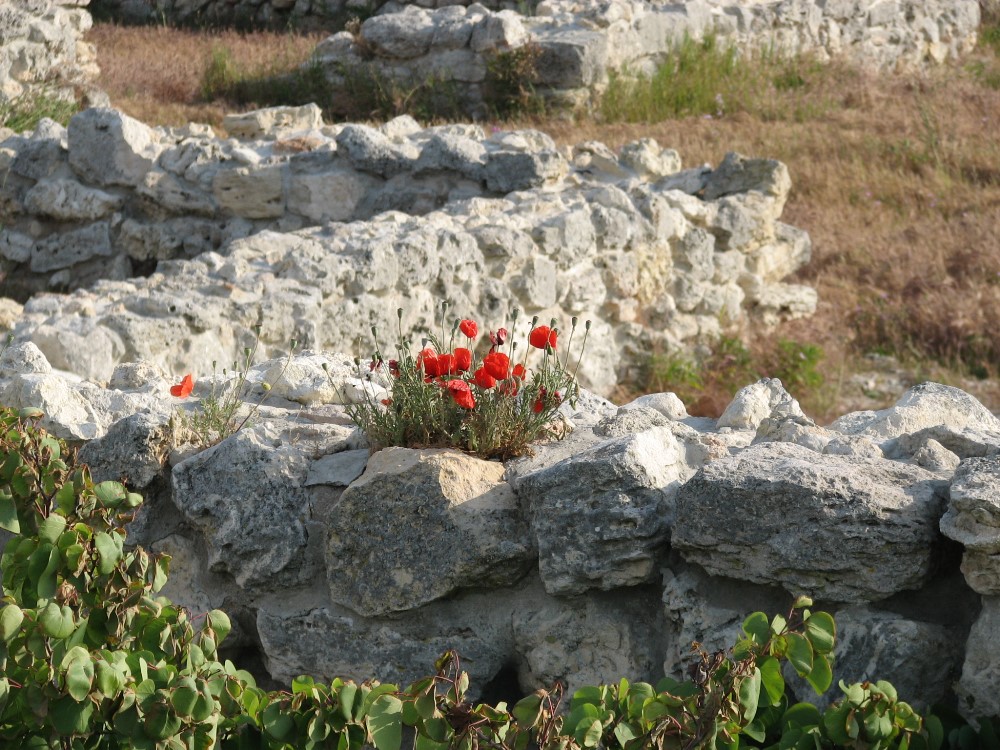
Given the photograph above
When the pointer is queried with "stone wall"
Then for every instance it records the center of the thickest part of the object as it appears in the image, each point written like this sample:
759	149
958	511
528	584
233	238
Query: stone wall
41	49
601	556
322	232
580	43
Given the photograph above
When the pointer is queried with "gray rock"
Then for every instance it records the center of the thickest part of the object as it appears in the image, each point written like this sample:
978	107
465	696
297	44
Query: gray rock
68	200
602	516
245	498
754	403
70	248
371	151
337	469
107	147
471	531
976	688
399	35
740	174
507	170
272	121
631	421
306	635
805	520
23	357
973	519
133	450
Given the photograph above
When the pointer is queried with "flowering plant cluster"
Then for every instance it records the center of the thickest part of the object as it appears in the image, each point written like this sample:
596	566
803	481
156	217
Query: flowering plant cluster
480	394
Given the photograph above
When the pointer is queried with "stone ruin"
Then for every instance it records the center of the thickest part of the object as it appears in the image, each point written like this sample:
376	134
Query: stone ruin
319	232
578	44
42	52
600	556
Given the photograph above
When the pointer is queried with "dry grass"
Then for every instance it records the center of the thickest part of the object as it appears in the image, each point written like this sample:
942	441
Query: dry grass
896	178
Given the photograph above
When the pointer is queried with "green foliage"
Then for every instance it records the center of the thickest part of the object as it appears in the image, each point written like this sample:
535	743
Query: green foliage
437	401
23	113
730	366
91	658
712	78
509	88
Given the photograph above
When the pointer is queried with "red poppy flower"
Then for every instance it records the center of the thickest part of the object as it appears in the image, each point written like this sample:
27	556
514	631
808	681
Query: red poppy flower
519	371
539	401
463	358
447	365
497	364
374	364
483	379
427	361
542	336
394	367
184	388
468	328
461	393
509	387
386	402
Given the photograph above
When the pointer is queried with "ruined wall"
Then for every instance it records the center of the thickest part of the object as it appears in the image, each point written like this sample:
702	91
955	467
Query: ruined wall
325	231
41	50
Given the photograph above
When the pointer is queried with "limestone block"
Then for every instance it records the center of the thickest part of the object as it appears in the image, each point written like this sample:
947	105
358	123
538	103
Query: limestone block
15	246
600	517
107	147
175	194
338	469
334	195
740	174
648	160
668	404
477	535
572	58
23	357
976	688
40	158
536	284
371	151
404	35
587	640
253	193
928	405
136	447
309	635
453	28
68	200
498	32
973	519
245	497
452	153
273	122
766	398
67	249
882	512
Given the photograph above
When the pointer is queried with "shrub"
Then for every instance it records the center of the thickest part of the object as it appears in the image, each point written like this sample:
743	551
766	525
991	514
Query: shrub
23	113
448	396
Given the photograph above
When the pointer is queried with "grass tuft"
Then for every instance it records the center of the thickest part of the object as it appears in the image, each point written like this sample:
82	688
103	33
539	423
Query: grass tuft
25	112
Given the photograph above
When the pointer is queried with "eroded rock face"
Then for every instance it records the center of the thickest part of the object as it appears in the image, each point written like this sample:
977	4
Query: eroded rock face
419	525
781	514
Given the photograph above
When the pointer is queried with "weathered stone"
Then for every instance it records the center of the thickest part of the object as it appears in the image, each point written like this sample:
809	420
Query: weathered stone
973	519
77	246
134	448
371	151
809	519
604	528
273	122
252	514
251	193
107	147
378	561
754	403
68	200
976	688
338	469
400	35
22	358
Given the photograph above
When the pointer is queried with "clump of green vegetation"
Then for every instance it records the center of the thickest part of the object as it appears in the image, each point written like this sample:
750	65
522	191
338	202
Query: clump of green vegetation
23	113
509	88
707	383
713	78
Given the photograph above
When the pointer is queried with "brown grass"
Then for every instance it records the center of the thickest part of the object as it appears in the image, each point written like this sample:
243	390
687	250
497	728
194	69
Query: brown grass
896	178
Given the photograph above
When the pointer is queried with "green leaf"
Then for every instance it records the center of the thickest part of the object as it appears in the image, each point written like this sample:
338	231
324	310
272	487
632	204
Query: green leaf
385	722
109	679
161	568
110	494
755	730
276	722
771	678
109	551
821	631
79	672
887	689
935	731
184	696
51	528
750	694
821	676
588	733
11	618
426	705
71	717
56	621
66	498
160	721
800	654
624	733
423	742
835	722
802	602
8	514
756	627
588	694
527	710
854	692
346	694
